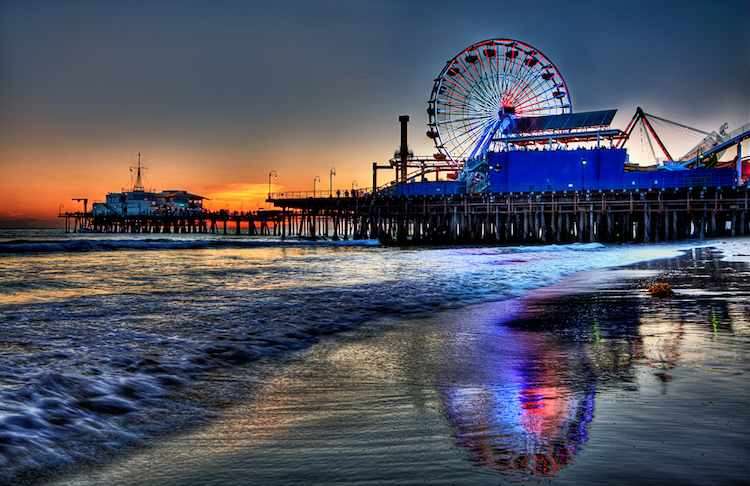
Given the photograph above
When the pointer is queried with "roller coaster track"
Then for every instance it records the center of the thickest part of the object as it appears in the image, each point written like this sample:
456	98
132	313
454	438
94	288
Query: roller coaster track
718	148
718	143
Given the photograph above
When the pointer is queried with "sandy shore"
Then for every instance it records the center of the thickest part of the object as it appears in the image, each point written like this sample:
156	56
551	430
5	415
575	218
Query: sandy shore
587	381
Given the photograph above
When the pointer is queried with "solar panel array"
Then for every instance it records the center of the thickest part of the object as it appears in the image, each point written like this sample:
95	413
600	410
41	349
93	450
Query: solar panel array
568	121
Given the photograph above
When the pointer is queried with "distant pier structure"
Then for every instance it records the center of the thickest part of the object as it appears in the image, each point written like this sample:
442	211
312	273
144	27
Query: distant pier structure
171	211
222	222
515	165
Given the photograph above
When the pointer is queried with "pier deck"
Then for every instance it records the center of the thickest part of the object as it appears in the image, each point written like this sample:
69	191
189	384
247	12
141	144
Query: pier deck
549	217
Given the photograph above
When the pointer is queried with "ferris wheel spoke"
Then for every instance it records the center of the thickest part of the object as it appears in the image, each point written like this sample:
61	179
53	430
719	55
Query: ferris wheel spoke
458	106
459	101
467	105
456	124
553	84
528	74
517	71
462	125
484	77
514	80
522	84
455	86
507	71
472	84
464	120
465	133
490	76
470	142
462	147
471	70
497	70
540	93
486	73
536	84
464	110
528	107
483	96
542	89
504	53
465	92
530	91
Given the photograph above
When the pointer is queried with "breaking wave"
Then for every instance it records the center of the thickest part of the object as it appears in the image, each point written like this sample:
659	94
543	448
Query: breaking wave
91	244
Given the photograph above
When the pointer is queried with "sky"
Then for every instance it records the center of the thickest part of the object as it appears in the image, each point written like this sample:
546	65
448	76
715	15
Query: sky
217	94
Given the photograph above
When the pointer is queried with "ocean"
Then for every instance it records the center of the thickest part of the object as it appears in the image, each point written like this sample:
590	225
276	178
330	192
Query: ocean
105	338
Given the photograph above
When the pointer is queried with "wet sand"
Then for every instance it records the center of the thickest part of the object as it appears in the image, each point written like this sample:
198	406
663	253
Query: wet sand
588	381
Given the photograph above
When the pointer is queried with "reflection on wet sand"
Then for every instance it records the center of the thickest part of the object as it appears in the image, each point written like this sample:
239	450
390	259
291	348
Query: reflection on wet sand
548	362
533	420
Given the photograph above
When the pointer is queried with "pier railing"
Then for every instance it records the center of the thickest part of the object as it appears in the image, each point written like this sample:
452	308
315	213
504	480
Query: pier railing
357	192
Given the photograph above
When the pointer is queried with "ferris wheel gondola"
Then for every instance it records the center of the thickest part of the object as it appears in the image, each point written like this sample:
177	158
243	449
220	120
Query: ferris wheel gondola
489	83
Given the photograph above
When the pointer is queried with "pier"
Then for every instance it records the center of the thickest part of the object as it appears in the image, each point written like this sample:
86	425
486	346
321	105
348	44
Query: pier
496	219
521	173
251	223
509	219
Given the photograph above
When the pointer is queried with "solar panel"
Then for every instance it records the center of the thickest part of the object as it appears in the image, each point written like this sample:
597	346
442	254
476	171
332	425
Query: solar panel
568	121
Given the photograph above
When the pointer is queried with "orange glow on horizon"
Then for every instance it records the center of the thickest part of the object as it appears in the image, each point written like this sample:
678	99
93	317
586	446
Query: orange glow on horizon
42	172
239	197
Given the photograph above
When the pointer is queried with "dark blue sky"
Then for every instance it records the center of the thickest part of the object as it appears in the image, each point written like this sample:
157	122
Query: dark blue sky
289	78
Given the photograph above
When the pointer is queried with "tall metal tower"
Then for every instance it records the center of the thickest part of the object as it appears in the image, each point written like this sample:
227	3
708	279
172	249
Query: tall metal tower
138	185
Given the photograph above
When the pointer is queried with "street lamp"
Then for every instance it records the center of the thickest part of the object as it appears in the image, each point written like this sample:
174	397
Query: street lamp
583	173
315	181
330	182
271	174
354	184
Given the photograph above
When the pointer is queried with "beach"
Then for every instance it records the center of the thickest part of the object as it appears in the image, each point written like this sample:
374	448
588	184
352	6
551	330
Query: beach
573	374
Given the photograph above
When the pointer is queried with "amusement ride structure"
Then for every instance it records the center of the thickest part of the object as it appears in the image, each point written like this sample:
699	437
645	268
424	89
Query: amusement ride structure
479	95
501	105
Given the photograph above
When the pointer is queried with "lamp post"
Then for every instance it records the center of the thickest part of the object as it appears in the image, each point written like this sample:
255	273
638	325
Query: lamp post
583	173
270	175
330	182
354	184
315	181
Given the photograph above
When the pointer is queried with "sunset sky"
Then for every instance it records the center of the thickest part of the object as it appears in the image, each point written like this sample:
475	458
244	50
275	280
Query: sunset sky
216	94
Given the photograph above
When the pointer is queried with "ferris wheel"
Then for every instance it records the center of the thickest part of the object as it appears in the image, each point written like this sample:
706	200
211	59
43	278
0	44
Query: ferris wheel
483	85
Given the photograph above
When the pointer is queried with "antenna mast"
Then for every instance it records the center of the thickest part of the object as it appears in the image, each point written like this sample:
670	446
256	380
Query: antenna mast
138	186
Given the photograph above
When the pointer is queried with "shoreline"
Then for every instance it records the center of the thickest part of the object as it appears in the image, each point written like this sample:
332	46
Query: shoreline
228	424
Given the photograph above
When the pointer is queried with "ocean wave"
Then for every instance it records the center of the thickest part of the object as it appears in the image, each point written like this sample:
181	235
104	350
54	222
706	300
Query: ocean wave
554	247
113	361
93	244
